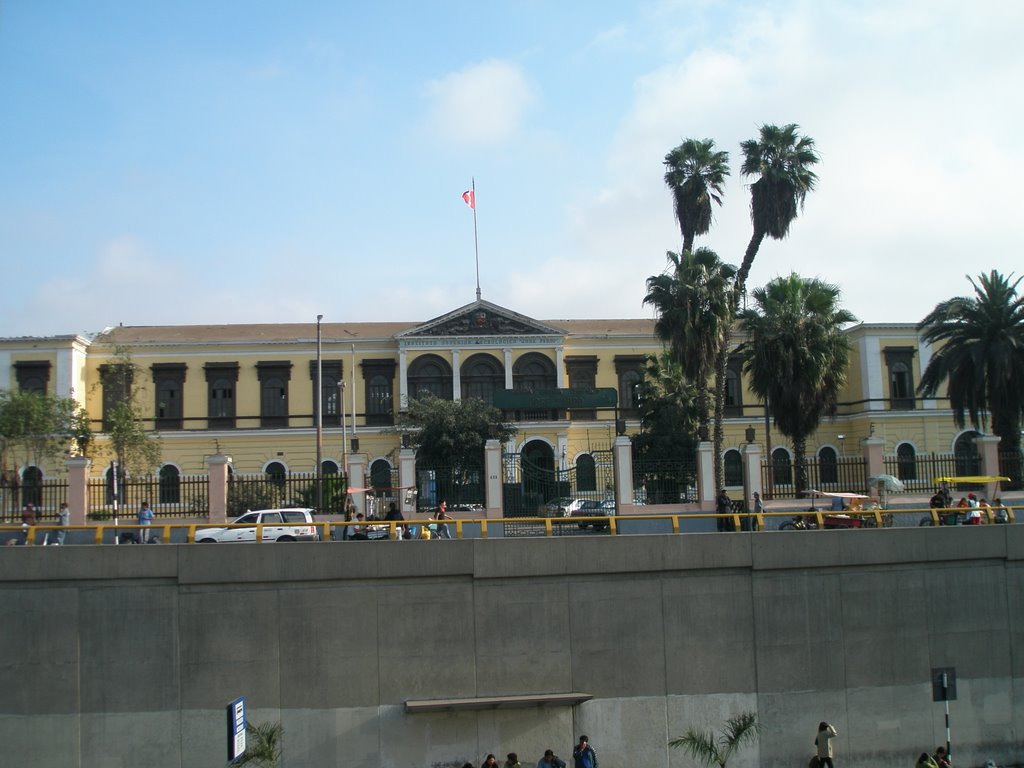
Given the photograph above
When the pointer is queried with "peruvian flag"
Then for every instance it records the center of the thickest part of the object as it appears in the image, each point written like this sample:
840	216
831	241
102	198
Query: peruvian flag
470	197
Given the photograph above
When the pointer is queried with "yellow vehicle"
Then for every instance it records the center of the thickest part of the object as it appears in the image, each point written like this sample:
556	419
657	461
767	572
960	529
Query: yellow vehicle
998	514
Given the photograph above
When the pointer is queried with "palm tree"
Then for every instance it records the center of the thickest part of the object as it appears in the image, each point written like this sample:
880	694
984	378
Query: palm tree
705	749
981	357
692	299
263	745
695	172
781	159
797	356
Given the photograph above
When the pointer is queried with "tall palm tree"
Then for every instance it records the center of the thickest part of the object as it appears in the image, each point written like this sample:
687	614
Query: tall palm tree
692	299
695	172
781	159
705	749
797	356
981	357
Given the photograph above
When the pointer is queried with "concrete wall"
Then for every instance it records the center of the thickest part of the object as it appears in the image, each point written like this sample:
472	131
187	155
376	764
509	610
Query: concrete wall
127	656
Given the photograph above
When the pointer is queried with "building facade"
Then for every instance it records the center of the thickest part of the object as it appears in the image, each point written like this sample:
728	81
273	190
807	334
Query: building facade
249	391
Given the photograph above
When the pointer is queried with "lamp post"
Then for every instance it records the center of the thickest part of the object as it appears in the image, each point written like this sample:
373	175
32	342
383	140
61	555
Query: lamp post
842	445
319	421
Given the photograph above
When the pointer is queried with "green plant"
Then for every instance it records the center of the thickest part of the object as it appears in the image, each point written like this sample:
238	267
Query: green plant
708	751
263	745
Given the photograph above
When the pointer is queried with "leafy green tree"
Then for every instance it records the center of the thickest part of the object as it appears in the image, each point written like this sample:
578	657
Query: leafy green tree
695	172
797	356
449	437
979	354
665	449
137	451
781	160
262	745
703	747
36	429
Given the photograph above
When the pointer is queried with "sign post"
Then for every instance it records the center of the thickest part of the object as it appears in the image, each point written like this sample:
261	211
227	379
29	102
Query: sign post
236	729
944	690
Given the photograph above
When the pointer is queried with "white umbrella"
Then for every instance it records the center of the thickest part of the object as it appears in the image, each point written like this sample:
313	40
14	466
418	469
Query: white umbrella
887	482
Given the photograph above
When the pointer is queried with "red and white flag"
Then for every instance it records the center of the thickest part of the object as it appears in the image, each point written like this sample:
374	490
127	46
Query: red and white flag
470	197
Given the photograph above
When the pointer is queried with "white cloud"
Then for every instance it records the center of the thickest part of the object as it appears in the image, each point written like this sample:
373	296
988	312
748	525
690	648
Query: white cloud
916	136
481	104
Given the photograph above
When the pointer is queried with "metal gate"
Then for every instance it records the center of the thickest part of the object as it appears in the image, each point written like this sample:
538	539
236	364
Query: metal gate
534	487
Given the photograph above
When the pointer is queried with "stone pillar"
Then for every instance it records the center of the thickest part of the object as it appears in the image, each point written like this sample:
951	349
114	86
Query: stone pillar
751	455
507	357
407	478
706	474
217	468
78	489
456	376
988	450
622	469
560	367
403	380
357	479
874	462
492	479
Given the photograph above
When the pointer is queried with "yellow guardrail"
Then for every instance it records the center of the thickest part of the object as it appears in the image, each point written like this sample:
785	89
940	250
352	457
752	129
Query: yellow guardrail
823	519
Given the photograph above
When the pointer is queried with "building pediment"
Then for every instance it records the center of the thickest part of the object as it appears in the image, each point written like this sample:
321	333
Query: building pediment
481	318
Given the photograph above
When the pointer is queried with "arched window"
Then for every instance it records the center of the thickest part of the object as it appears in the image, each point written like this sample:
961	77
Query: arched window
533	372
906	462
276	473
828	466
170	485
32	486
586	473
380	475
966	450
782	467
329	467
732	463
430	375
481	376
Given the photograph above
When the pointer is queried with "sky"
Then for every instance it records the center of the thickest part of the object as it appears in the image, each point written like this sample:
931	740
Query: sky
173	163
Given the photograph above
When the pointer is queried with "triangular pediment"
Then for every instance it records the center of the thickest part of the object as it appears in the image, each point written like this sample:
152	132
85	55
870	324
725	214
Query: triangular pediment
481	318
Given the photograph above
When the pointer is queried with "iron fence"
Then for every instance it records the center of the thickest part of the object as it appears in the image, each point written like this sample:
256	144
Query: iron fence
45	496
656	481
294	489
178	496
1011	465
918	472
455	485
840	475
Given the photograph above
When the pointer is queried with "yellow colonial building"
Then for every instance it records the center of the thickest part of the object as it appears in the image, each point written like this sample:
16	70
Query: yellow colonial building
249	392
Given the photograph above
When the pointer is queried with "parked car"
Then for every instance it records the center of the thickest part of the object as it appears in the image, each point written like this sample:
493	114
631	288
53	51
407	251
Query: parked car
278	525
563	507
590	508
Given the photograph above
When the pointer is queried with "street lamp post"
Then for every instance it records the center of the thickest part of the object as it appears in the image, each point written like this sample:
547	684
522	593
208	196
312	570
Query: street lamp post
319	421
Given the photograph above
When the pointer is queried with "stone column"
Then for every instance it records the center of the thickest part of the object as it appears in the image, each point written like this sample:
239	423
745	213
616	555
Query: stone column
751	455
706	474
357	479
78	489
622	469
560	367
456	376
403	380
988	450
217	468
874	462
492	479
407	478
507	358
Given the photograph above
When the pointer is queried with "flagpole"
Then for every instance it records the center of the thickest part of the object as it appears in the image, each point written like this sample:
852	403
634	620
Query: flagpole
476	243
